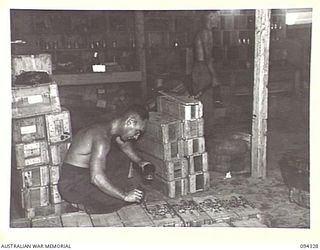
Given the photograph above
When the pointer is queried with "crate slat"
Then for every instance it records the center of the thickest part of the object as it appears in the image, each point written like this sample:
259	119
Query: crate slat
58	151
199	182
134	216
172	189
106	220
33	176
198	163
35	197
76	219
55	196
193	146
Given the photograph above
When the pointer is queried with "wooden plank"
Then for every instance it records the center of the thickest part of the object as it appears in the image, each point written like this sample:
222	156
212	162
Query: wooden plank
260	94
97	78
134	216
48	221
162	215
77	219
106	220
55	196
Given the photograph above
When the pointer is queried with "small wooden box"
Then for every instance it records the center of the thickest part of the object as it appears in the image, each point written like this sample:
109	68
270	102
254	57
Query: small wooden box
55	196
192	128
35	197
58	126
48	221
106	220
39	62
168	170
35	100
34	176
199	182
190	212
31	154
163	128
167	151
77	219
193	146
172	189
28	129
54	173
58	151
134	216
198	163
180	107
162	214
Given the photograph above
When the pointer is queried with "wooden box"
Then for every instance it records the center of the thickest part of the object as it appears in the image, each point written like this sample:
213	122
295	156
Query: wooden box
163	128
35	100
23	63
76	219
168	170
34	176
172	189
198	162
192	128
180	107
31	154
58	126
134	216
48	221
167	151
28	129
106	220
193	146
35	197
58	151
190	212
55	196
54	173
162	215
199	182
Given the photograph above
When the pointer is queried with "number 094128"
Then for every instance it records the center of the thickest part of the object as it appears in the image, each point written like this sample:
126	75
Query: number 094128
310	246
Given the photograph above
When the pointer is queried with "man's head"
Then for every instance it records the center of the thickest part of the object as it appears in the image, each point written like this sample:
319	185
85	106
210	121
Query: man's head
133	122
211	19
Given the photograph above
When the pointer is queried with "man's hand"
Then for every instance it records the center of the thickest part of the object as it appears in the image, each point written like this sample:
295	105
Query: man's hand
134	196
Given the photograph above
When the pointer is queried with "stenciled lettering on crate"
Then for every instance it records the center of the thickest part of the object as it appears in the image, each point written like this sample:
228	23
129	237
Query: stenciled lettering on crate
58	151
35	197
35	100
31	154
193	146
192	128
163	128
28	129
58	126
33	176
172	189
180	107
199	182
168	170
54	174
55	196
198	162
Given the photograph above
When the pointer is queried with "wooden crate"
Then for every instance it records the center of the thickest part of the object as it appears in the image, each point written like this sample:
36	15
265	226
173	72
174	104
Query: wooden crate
198	163
31	154
181	107
58	126
167	151
20	223
168	170
58	151
193	146
172	189
54	173
190	212
28	129
214	209
162	214
23	63
192	128
76	219
199	182
163	128
35	197
106	220
33	176
48	221
55	196
134	216
35	100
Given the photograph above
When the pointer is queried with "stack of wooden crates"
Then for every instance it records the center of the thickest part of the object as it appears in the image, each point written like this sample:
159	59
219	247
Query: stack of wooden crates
174	142
41	136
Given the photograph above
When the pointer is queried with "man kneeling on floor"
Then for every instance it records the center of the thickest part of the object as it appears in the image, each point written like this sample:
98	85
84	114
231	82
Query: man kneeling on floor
83	178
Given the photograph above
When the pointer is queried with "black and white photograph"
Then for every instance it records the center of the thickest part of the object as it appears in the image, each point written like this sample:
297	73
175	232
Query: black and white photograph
140	118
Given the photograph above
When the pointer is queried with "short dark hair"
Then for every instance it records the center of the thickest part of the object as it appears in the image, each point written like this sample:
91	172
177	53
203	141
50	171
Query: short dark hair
140	110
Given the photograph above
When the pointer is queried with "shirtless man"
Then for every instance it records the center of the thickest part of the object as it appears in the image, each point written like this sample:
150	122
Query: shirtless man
83	179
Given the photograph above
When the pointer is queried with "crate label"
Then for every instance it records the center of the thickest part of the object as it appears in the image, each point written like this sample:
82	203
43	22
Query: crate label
31	146
31	149
28	129
31	161
35	99
101	103
101	91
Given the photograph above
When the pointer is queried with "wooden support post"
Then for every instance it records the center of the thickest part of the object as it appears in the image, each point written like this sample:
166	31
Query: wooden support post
260	94
141	51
